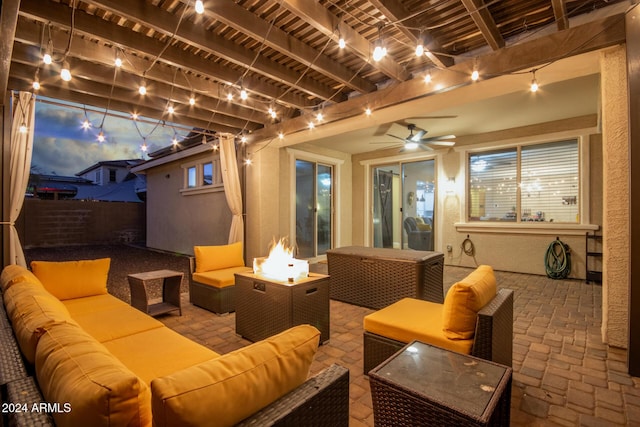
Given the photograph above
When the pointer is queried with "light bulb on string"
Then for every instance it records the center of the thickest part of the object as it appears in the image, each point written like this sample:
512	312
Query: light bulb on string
341	41
475	75
134	116
101	136
243	93
23	128
280	135
65	73
229	96
379	50
174	141
243	139
199	6
142	89
36	80
47	58
118	61
311	125
192	99
534	83
427	77
171	109
420	46
367	111
144	147
86	124
247	161
319	116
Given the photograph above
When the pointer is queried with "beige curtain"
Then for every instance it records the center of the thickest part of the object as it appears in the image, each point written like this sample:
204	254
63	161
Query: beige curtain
232	189
21	150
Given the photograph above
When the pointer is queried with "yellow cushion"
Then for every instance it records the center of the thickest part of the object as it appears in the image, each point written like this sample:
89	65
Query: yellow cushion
219	278
32	311
73	279
217	257
224	391
106	317
158	352
413	319
464	300
73	368
13	274
423	227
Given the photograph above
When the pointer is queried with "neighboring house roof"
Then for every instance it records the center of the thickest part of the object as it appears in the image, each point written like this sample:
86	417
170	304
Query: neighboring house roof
113	163
126	191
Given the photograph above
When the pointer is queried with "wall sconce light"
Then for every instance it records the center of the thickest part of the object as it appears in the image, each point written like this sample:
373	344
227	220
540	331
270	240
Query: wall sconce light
451	186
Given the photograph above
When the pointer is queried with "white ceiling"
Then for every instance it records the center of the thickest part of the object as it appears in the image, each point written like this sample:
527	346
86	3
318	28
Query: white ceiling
568	88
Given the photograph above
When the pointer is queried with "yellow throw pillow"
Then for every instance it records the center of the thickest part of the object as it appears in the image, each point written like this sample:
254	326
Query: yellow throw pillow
96	388
13	274
73	279
464	300
423	227
210	258
228	389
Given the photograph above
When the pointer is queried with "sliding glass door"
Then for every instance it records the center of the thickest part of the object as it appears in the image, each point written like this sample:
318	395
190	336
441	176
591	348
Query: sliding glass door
314	208
403	205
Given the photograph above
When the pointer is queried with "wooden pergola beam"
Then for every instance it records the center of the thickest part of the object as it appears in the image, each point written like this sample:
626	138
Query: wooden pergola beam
485	23
560	13
8	22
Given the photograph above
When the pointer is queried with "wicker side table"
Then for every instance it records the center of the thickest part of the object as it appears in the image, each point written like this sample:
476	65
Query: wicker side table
171	281
265	307
424	385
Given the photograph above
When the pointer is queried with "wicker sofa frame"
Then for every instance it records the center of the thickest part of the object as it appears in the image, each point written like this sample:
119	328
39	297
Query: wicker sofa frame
216	300
320	401
493	339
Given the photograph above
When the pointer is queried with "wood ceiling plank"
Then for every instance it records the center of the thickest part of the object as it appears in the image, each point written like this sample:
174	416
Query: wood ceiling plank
196	35
246	22
394	12
485	23
327	23
111	33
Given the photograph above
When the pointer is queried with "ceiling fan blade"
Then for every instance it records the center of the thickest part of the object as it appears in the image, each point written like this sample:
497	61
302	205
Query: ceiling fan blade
396	137
438	138
382	129
418	136
440	143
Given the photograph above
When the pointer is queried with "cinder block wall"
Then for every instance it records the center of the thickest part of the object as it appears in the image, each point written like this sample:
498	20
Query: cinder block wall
49	223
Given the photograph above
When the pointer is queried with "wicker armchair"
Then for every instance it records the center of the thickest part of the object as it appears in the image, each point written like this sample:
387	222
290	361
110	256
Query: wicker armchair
493	338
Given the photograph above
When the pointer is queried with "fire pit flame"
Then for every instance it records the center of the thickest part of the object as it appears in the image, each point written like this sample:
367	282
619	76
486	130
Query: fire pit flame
280	265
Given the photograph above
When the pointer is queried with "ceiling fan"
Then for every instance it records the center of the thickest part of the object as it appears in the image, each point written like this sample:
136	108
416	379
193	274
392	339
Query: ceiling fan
417	139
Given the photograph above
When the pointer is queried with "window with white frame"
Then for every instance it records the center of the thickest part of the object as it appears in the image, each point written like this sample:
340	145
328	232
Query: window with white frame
528	183
202	176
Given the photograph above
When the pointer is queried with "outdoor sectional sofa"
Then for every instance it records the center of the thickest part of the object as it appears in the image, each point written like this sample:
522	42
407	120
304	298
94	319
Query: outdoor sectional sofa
71	354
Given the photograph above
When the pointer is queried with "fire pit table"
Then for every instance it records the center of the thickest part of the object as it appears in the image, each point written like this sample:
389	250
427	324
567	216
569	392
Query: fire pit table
265	307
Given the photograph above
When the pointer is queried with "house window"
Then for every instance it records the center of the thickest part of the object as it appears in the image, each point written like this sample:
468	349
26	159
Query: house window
530	183
112	175
202	176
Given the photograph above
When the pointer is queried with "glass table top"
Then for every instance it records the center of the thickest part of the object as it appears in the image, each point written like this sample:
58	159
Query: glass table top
451	379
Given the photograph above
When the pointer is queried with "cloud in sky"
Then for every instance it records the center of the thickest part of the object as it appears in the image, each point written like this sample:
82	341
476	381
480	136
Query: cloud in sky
62	147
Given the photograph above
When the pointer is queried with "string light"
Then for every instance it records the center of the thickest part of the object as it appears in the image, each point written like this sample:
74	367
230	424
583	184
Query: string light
199	6
65	73
47	58
229	96
379	50
118	60
142	89
23	128
86	124
475	75
367	111
341	41
534	83
280	135
174	141
420	46
319	116
272	111
247	161
243	94
192	99
427	77
311	125
170	109
101	137
36	80
144	147
243	139
134	116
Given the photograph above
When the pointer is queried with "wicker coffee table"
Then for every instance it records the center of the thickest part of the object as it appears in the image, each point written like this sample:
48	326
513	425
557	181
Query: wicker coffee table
425	385
265	307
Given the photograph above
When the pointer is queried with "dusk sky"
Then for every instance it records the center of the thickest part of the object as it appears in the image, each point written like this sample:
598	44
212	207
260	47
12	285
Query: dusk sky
62	147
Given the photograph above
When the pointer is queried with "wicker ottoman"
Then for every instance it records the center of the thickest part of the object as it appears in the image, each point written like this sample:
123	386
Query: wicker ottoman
265	307
377	277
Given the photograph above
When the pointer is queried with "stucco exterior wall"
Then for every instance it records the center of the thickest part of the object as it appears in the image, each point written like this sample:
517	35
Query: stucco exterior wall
176	222
615	286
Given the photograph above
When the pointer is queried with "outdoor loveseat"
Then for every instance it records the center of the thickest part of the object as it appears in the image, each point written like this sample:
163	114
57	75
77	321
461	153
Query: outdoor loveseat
71	355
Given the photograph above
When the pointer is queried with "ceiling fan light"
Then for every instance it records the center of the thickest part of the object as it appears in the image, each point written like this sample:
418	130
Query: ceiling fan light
411	145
